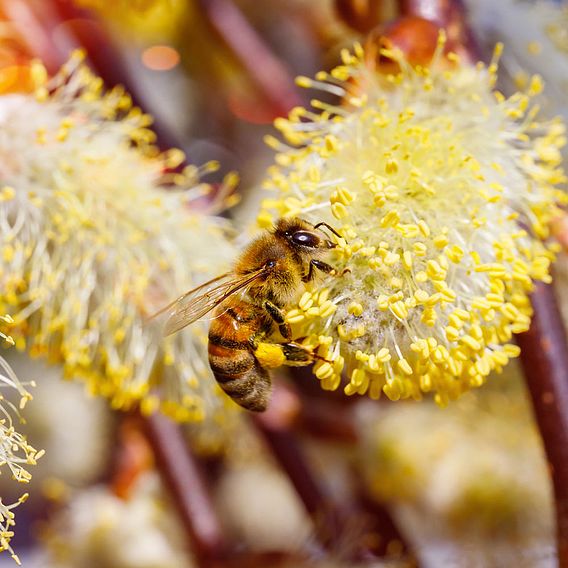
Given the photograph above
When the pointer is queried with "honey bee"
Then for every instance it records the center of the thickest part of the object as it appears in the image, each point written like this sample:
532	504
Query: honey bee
248	304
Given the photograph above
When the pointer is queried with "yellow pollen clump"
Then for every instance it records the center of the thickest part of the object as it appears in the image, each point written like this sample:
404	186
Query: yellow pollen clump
442	190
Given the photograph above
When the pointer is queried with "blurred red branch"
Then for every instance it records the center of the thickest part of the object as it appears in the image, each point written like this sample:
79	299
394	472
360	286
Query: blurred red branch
369	529
263	67
183	477
544	355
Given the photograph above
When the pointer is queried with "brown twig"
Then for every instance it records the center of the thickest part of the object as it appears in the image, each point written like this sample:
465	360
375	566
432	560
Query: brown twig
262	66
351	528
183	477
276	426
544	356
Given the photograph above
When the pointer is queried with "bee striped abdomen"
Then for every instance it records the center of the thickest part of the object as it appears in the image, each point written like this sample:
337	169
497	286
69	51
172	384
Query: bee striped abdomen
231	359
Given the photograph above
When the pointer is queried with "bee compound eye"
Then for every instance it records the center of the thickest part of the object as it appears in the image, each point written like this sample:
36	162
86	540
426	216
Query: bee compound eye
305	239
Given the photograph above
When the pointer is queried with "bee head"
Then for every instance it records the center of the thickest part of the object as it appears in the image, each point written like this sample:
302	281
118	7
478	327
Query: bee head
302	236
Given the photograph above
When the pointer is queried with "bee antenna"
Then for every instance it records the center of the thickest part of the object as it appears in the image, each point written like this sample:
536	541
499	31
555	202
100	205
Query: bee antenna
327	226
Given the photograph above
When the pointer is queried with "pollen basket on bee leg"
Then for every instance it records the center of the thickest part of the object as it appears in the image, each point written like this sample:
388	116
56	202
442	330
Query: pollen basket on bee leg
270	355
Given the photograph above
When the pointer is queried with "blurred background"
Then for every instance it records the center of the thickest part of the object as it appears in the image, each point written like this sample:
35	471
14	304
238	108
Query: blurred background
339	482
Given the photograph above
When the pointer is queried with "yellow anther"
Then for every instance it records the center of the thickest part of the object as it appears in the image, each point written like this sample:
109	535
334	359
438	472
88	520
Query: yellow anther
391	258
396	297
404	366
7	193
342	195
424	228
434	270
391	167
390	219
304	82
384	355
339	210
327	308
511	350
420	249
452	333
314	311
357	377
294	316
421	296
323	370
421	277
441	241
323	296
399	310
471	342
355	308
306	301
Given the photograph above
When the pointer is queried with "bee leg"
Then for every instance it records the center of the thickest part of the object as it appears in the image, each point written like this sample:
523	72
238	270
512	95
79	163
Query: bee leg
278	316
292	354
323	266
297	355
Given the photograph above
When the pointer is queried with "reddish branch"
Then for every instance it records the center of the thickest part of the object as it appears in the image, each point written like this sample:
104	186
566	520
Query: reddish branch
183	477
262	66
353	527
276	425
544	355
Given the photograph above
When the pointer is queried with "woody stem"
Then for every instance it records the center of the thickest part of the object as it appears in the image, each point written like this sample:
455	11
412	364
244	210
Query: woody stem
544	356
184	479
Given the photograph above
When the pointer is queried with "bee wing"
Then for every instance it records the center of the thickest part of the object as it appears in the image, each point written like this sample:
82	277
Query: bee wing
194	304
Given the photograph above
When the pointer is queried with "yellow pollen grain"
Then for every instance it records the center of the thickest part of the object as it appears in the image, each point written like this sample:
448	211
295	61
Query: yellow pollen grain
327	308
7	193
384	355
323	370
440	241
391	219
355	309
306	301
407	259
339	210
294	316
342	195
404	366
424	228
304	82
471	342
399	309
